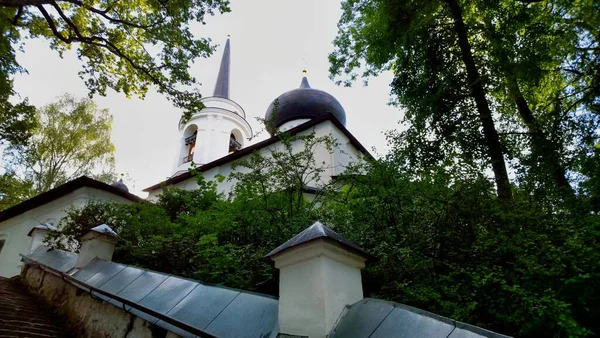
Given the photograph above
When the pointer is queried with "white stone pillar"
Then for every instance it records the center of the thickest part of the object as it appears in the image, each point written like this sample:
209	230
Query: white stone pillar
319	274
38	235
98	242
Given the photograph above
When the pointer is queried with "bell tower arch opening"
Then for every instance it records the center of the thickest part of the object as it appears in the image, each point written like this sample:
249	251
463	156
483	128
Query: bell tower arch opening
236	141
189	144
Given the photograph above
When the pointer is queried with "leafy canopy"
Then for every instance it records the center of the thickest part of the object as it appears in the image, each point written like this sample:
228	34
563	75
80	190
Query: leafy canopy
126	46
536	64
71	139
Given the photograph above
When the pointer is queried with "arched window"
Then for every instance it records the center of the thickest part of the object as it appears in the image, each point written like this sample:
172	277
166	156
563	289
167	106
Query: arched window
235	141
189	144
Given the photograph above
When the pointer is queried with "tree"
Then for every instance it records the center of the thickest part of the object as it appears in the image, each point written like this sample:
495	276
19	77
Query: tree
484	79
126	46
415	36
13	190
72	139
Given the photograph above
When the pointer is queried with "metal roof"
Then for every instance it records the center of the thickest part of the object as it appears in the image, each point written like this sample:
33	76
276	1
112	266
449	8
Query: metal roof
303	102
374	318
317	231
59	260
215	310
43	226
104	229
222	85
224	312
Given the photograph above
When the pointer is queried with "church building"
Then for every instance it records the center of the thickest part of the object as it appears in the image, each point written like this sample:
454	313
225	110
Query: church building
218	135
212	140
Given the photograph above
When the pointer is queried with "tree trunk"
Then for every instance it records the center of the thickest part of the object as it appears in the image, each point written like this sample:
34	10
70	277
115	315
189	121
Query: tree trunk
540	145
492	140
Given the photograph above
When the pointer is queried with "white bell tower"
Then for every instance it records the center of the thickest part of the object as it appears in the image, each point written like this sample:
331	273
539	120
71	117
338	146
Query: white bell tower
217	130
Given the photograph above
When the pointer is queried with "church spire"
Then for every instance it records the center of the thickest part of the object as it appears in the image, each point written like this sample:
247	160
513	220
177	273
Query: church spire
222	86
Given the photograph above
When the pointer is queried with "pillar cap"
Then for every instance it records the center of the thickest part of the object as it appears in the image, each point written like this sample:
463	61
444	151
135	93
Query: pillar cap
43	226
102	229
320	231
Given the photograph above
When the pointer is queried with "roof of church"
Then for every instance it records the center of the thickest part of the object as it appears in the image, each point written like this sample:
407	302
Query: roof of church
222	85
61	191
198	309
303	102
120	184
251	148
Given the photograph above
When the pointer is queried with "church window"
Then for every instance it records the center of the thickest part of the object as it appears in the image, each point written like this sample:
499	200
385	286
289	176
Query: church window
234	145
190	143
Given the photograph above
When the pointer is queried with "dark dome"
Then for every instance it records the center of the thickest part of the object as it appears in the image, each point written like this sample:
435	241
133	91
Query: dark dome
119	184
303	103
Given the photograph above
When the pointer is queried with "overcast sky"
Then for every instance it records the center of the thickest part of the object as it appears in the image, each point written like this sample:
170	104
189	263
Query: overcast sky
272	41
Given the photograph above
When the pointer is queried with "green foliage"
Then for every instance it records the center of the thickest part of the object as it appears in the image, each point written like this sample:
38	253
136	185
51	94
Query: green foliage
13	190
445	242
71	139
536	63
127	46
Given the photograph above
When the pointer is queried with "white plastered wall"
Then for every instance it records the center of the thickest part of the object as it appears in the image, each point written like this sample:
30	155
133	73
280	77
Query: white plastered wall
15	229
316	281
335	162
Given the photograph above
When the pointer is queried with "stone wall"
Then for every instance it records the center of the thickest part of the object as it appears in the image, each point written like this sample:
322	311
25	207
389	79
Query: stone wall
85	314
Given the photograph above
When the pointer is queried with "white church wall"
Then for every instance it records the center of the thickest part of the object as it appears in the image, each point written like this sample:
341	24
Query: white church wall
15	230
334	163
345	153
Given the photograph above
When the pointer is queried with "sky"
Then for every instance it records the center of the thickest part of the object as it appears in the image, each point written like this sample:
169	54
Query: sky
272	41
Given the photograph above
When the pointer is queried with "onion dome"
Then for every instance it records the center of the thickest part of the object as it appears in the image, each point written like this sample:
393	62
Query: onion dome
302	103
119	184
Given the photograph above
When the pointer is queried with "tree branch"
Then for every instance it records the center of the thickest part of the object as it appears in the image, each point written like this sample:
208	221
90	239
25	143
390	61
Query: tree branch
15	20
110	18
52	25
21	3
529	1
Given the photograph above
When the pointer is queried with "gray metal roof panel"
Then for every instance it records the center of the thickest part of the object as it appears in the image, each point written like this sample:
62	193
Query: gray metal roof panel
62	261
142	286
38	253
91	269
68	264
248	315
361	321
201	306
58	260
45	255
401	322
121	280
168	294
104	275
